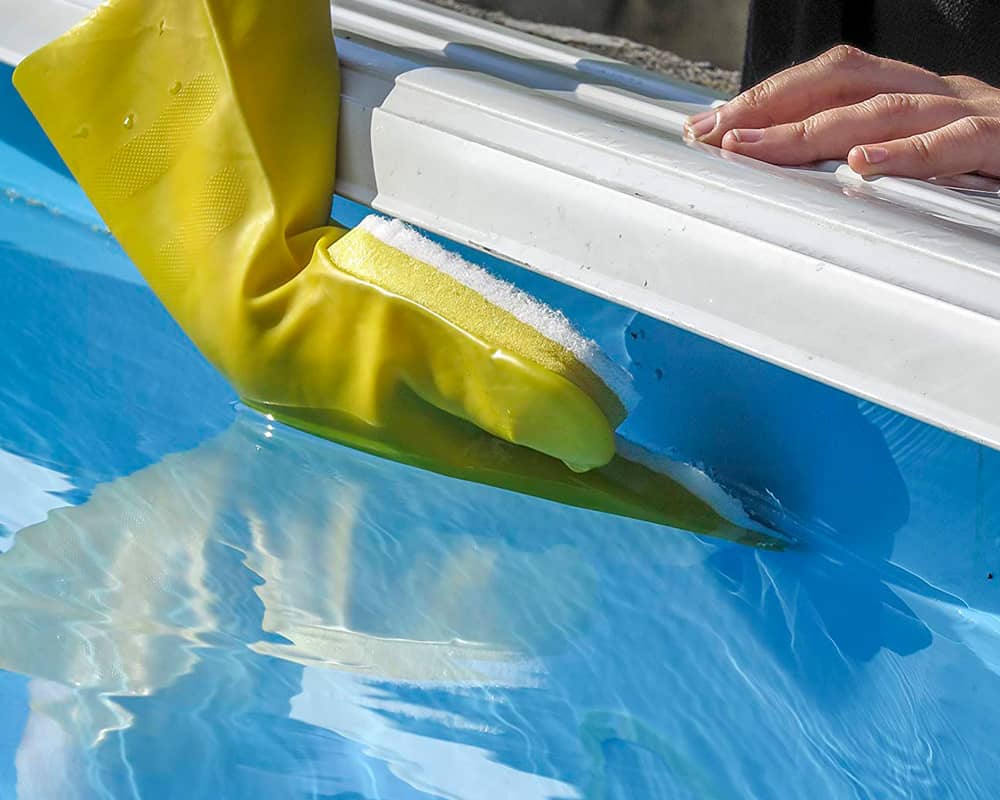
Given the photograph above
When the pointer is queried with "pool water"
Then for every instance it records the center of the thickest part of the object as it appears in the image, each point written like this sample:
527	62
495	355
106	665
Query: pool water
195	602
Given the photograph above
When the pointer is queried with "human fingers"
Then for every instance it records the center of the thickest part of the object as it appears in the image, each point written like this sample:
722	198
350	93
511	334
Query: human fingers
971	144
831	134
841	76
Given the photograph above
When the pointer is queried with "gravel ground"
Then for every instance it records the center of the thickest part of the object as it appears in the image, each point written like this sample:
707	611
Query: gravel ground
704	74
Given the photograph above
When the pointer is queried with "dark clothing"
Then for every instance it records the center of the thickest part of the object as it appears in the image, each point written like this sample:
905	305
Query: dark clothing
947	36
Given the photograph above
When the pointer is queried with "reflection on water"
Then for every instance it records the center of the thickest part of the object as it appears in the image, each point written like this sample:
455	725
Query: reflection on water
201	604
260	552
270	610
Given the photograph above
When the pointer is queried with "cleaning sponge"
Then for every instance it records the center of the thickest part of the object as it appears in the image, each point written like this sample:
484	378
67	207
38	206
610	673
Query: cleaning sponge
544	335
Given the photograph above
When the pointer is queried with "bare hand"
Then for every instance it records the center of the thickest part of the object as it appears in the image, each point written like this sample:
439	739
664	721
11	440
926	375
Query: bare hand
885	117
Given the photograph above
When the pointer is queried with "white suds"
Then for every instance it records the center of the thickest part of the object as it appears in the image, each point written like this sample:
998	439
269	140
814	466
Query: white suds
550	323
695	480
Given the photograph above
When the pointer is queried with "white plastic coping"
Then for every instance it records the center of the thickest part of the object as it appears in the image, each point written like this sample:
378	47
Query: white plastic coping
561	161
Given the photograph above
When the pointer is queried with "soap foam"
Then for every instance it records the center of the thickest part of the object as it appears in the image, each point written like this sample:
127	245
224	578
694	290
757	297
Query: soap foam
696	481
549	322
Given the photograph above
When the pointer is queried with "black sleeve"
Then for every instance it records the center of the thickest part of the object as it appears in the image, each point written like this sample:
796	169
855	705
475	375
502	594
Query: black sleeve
947	36
781	33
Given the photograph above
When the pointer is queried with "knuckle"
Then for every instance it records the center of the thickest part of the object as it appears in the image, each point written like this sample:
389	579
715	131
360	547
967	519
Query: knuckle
922	148
893	104
975	127
759	96
808	130
845	55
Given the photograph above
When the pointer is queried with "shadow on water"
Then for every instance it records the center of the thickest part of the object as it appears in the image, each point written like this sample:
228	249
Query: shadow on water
796	450
771	432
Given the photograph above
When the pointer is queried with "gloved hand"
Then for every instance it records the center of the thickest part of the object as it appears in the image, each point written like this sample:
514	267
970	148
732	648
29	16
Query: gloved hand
204	131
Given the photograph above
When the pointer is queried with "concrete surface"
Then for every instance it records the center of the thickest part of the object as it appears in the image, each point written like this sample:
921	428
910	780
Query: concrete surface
699	30
588	24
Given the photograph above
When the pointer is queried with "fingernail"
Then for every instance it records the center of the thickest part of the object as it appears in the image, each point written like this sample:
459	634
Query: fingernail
701	124
874	155
748	135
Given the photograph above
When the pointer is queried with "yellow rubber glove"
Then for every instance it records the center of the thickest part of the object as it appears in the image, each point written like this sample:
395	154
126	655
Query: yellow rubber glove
204	132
